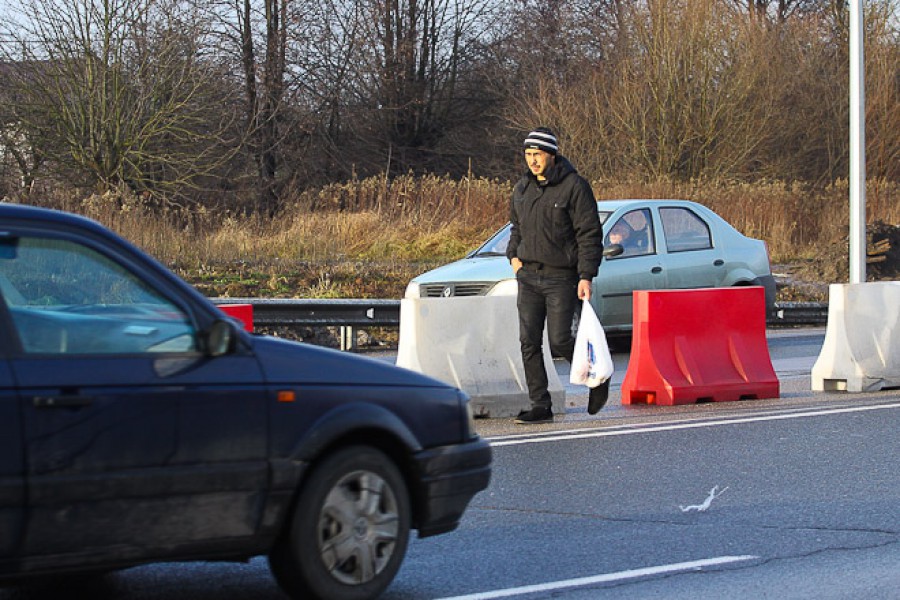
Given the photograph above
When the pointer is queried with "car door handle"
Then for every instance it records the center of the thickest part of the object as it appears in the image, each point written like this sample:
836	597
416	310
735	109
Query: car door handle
718	262
656	270
61	401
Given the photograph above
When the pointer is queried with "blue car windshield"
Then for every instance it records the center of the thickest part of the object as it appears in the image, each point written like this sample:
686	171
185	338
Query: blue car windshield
496	245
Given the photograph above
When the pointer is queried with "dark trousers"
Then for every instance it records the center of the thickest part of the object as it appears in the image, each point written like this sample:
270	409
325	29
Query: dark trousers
545	297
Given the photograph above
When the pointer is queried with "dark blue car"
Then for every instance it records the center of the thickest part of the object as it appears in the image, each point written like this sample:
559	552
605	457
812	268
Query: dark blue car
138	423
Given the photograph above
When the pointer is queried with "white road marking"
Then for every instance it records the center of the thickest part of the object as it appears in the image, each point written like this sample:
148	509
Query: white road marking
581	434
694	565
713	494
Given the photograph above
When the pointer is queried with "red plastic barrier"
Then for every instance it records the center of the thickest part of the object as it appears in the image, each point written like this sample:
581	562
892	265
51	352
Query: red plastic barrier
699	346
242	312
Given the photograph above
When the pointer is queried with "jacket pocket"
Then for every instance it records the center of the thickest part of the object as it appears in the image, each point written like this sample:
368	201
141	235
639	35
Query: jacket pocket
563	228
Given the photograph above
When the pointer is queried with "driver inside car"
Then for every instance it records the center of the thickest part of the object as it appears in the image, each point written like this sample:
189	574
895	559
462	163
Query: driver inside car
621	234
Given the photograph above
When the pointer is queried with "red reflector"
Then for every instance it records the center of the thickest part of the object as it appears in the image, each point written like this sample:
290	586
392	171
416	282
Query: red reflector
286	396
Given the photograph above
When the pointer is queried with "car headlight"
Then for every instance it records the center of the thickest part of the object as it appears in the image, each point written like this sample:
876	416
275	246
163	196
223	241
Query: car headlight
505	287
412	290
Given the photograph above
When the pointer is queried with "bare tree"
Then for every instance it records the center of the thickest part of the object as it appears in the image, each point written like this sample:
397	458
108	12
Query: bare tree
325	57
883	91
19	147
264	85
123	94
418	53
721	102
811	140
779	11
684	97
159	95
554	54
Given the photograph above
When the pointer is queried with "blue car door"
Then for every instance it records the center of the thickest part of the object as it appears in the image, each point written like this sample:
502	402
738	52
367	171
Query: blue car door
12	463
136	440
638	268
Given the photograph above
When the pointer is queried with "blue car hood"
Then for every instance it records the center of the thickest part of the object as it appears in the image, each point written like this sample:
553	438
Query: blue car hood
487	268
286	362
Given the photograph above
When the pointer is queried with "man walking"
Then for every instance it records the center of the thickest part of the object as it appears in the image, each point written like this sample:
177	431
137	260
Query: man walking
555	248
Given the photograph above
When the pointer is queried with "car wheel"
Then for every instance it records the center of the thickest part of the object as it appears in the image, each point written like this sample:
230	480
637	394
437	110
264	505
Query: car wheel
619	342
349	529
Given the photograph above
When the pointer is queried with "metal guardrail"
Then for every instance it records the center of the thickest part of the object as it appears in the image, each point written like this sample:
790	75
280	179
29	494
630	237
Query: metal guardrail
303	311
346	314
350	313
799	313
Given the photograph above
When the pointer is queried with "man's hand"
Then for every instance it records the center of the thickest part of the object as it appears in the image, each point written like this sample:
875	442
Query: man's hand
516	264
584	289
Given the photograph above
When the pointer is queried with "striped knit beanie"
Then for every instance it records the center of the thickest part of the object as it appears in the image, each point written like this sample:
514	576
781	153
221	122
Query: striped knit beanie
542	139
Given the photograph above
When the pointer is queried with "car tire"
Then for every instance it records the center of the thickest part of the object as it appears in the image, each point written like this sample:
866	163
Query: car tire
343	542
619	342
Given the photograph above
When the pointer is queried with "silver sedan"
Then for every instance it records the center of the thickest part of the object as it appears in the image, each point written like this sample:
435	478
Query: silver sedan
665	244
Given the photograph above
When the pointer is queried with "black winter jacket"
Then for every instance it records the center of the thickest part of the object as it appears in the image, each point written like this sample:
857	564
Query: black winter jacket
555	222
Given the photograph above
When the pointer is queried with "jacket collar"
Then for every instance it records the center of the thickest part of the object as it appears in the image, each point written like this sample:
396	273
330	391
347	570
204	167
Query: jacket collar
561	167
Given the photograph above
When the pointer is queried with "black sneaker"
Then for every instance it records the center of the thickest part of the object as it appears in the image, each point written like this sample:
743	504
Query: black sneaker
597	397
538	414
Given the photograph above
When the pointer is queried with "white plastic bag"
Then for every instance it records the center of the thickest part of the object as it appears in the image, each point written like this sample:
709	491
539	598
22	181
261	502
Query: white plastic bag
591	362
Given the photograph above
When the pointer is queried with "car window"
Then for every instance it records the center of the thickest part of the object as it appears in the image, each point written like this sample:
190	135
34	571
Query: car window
65	298
497	244
634	231
684	230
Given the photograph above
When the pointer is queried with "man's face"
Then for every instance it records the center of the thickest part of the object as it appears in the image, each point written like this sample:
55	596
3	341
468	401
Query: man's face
618	234
538	161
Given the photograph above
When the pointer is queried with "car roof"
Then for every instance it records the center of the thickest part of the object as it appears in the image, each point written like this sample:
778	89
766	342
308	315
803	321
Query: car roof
16	210
612	205
36	213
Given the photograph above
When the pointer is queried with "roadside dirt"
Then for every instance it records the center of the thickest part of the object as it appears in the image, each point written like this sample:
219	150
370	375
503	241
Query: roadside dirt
808	280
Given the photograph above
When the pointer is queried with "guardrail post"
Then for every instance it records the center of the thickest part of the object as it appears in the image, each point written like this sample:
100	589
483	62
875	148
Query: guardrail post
348	337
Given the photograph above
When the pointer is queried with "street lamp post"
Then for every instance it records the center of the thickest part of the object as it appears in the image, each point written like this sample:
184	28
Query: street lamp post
857	146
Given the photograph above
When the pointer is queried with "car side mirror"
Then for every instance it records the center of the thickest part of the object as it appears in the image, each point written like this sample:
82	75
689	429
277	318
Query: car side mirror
613	250
220	338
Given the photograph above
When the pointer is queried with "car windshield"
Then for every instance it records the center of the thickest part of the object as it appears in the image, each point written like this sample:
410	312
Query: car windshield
496	245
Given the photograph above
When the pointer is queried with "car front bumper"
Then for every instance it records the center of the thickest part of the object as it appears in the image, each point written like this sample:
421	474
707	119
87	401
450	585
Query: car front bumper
448	477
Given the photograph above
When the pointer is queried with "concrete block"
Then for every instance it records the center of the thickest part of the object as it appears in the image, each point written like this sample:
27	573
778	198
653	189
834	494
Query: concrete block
861	351
473	344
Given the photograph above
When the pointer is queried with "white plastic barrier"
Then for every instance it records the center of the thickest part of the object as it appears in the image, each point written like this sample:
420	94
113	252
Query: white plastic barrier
861	352
473	343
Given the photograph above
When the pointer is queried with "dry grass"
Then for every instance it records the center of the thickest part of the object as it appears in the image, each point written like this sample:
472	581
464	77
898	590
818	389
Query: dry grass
367	238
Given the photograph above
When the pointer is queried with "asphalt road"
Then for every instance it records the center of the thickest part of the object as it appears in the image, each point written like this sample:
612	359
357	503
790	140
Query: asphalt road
788	498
